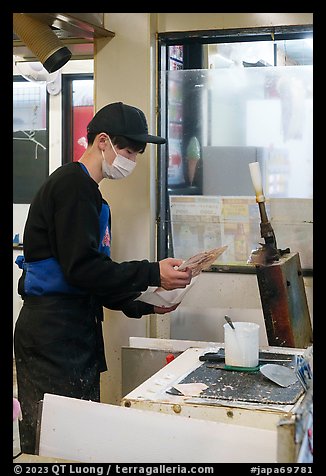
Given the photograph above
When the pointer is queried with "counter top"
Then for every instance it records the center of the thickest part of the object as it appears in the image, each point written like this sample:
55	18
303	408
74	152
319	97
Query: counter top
152	395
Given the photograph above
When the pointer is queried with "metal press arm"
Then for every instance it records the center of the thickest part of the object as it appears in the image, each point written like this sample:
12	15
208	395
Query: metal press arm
266	230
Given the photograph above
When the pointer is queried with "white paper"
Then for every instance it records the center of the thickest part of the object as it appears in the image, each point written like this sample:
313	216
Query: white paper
160	297
191	389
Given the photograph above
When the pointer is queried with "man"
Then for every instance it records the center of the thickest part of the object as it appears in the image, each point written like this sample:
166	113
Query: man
68	274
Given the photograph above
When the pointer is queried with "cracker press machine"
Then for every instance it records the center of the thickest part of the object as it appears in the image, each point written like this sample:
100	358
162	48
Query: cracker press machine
280	282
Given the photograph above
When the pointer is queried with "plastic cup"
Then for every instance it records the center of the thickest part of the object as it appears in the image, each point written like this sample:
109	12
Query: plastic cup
241	344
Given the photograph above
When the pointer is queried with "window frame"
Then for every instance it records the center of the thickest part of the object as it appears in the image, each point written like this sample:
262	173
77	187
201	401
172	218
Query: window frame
67	125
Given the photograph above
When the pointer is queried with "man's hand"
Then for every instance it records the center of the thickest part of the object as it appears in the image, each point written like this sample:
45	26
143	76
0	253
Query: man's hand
164	310
171	278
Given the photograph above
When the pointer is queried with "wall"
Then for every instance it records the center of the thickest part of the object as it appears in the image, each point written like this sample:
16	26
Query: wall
125	70
210	21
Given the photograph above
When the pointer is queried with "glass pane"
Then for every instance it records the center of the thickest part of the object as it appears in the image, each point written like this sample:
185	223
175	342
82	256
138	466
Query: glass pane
219	121
242	115
30	139
82	104
261	53
230	55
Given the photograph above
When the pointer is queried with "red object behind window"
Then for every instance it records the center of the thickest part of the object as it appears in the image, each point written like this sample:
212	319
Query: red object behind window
81	117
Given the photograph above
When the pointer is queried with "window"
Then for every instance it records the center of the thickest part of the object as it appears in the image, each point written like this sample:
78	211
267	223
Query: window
78	111
46	114
30	139
226	102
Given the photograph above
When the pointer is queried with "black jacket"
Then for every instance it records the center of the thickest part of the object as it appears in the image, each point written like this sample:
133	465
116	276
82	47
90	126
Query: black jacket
63	222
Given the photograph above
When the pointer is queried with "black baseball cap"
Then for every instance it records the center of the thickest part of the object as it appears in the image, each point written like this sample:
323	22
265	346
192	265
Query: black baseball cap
118	119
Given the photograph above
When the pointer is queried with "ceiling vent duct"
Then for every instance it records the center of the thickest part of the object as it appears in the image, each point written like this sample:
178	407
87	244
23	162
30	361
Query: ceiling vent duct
42	41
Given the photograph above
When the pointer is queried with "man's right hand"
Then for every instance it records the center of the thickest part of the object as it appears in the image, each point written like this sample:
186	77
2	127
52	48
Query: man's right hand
171	278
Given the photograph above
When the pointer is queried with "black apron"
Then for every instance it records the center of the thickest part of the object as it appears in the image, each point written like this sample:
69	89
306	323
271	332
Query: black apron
59	349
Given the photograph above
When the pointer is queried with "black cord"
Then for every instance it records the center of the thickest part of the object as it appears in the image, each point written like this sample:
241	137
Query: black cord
18	454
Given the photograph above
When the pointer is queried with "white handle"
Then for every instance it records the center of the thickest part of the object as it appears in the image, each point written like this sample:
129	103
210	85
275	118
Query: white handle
256	180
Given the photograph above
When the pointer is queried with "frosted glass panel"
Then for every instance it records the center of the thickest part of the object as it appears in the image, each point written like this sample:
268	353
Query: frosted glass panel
242	114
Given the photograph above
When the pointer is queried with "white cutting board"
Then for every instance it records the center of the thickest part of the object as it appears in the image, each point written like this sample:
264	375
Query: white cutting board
86	431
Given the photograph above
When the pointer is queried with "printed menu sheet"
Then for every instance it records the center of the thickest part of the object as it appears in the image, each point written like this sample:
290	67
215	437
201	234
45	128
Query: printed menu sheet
203	222
207	222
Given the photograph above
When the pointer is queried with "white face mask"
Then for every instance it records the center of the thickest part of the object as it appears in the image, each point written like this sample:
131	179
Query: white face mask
120	168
